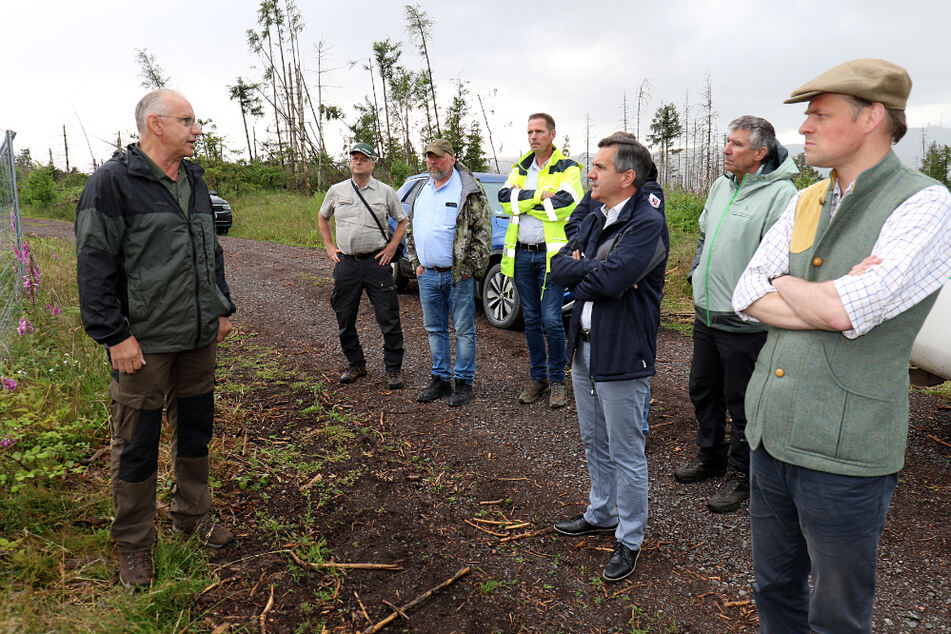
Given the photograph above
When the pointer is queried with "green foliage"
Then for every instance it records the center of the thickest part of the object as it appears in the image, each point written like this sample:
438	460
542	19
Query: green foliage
40	188
283	216
400	171
52	418
466	139
807	173
683	209
665	126
153	76
937	163
234	179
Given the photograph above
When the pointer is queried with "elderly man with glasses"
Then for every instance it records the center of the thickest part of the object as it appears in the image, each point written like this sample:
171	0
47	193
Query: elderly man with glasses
152	290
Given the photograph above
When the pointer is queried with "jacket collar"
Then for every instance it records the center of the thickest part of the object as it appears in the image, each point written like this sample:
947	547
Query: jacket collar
135	162
526	161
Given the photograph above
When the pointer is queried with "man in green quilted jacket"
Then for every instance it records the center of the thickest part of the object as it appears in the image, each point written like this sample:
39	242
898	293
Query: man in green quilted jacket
844	280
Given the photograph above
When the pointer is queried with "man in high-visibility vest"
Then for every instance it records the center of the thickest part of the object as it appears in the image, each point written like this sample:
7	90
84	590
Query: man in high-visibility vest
542	190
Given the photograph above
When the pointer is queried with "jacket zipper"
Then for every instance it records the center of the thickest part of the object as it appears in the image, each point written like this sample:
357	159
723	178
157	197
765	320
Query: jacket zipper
191	239
713	242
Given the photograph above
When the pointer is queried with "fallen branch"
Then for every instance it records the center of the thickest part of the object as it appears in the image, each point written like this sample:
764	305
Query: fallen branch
733	604
96	456
396	609
214	585
362	608
484	530
349	566
412	604
267	608
490	502
512	538
495	522
938	440
513	527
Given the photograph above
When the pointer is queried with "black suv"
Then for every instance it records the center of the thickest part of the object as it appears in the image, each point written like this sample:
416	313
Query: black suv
222	209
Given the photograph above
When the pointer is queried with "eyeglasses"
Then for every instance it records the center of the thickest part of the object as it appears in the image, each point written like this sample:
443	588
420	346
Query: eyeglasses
186	121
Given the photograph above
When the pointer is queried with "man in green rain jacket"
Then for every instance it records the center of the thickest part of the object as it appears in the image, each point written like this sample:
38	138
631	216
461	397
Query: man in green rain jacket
742	205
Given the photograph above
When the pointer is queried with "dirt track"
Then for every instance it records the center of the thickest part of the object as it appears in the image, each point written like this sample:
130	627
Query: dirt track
695	571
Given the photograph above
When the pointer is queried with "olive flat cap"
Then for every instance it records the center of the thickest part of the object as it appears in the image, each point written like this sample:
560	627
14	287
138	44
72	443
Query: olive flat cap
439	147
875	80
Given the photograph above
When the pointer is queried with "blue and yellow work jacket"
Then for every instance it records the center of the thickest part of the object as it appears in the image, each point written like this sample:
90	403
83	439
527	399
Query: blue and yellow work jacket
562	177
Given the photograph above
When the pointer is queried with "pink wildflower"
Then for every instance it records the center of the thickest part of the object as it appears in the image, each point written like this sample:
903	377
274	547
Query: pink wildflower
8	384
24	326
7	442
54	310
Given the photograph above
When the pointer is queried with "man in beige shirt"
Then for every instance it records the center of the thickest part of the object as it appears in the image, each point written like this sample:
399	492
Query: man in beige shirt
362	252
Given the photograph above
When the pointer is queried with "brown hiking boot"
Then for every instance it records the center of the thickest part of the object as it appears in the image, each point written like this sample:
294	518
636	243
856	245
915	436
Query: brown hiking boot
533	392
353	373
394	379
209	532
558	396
135	569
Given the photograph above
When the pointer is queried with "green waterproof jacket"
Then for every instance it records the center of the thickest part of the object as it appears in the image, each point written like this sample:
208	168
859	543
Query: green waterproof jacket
734	220
144	267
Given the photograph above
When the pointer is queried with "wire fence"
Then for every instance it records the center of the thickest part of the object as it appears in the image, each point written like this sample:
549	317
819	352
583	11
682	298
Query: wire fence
11	240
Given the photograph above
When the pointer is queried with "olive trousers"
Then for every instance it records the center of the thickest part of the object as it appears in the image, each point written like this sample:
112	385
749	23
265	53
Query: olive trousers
181	383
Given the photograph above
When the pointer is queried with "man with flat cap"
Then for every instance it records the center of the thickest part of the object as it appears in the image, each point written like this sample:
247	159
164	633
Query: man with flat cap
362	254
448	246
844	280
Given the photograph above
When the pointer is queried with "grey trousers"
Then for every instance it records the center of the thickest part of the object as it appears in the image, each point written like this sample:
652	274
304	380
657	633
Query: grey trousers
611	417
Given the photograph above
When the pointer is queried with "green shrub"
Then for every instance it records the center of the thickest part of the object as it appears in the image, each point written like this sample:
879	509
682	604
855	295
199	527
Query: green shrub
683	209
40	188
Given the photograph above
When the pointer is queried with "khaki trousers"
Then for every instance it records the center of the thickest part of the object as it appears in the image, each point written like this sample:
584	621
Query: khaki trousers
182	383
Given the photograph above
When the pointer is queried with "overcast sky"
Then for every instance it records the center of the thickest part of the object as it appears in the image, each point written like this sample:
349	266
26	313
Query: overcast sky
66	62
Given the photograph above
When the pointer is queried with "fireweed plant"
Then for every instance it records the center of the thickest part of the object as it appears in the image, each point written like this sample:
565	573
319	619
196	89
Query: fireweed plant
49	417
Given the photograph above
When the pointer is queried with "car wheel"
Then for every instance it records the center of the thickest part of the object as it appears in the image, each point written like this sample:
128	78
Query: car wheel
399	279
500	299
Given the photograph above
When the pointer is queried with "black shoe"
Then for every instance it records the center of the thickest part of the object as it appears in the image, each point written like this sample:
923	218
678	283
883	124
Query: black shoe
461	395
394	379
622	563
353	373
731	494
698	470
578	526
437	388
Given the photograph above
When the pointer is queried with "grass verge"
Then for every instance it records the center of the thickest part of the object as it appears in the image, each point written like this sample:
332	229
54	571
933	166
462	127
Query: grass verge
57	565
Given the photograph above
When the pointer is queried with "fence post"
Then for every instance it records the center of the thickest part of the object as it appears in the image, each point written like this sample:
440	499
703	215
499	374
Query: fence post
12	269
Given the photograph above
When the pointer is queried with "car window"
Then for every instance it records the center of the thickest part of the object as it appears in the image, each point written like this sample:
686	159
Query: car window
492	193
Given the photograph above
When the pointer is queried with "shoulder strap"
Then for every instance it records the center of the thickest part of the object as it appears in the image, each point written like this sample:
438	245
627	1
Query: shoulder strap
372	215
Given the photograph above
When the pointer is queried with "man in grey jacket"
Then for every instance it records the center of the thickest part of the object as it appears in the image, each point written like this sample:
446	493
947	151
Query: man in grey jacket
742	205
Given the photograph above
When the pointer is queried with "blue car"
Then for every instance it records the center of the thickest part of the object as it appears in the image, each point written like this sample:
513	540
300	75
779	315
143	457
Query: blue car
497	291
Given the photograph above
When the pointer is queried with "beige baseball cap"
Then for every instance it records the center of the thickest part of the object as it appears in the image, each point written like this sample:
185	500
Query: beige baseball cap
875	80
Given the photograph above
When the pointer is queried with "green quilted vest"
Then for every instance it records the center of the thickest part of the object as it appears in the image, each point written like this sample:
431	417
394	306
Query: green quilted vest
817	399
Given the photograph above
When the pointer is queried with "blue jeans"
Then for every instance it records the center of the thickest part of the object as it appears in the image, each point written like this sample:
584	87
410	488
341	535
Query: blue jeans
609	416
811	521
439	298
542	316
